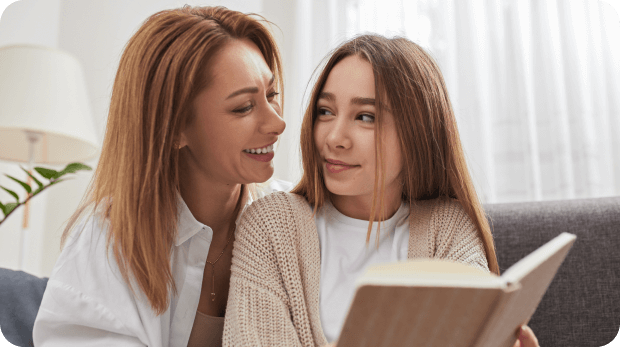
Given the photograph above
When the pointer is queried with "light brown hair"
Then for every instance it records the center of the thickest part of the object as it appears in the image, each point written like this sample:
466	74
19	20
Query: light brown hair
410	84
163	67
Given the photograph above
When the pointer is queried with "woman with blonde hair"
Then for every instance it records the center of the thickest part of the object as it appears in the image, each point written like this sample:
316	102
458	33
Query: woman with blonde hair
193	118
382	161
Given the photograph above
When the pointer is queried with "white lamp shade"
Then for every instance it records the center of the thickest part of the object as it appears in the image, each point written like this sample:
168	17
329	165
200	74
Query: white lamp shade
43	90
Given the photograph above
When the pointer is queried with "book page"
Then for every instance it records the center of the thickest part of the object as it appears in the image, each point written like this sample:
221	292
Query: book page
416	266
429	273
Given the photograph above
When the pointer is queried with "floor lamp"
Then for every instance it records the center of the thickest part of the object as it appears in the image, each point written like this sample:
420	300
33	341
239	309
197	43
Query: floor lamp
45	116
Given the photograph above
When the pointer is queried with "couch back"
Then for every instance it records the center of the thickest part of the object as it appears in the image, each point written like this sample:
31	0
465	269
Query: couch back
582	304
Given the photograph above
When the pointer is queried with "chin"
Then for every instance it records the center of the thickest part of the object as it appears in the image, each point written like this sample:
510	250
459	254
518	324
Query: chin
338	188
262	176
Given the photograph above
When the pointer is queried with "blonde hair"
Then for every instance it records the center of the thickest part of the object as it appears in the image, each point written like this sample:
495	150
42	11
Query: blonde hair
409	82
163	67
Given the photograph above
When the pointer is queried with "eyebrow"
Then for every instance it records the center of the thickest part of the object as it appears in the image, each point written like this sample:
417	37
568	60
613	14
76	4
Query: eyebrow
355	101
252	90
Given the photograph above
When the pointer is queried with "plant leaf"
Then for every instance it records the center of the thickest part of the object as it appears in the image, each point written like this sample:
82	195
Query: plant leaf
73	167
33	178
23	184
12	193
2	208
56	181
9	207
47	173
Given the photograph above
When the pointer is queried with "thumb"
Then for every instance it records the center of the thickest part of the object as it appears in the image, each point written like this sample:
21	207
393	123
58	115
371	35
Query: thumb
518	335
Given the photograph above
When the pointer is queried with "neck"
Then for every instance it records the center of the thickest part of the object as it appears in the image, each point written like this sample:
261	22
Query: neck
360	206
211	203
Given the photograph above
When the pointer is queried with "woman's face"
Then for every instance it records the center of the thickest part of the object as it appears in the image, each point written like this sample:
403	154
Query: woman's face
237	114
344	132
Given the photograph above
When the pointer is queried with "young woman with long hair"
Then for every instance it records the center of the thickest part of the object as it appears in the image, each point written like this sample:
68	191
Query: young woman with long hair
193	118
384	180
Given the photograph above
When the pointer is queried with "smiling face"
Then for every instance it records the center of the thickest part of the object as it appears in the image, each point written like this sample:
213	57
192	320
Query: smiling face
236	114
344	135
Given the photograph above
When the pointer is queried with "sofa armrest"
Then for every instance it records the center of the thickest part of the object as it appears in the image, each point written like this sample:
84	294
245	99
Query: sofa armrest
20	298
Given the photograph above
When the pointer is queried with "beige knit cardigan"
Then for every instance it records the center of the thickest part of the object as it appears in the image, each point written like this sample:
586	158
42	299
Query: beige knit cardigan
276	267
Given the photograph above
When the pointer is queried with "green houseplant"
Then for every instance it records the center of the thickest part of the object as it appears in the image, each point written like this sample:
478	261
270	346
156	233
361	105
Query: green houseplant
52	176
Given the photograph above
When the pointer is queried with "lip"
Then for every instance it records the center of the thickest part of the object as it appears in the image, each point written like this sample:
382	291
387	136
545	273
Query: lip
338	162
336	166
260	157
269	144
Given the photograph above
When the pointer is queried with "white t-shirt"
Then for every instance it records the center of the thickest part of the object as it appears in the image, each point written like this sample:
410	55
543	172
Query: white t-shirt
345	257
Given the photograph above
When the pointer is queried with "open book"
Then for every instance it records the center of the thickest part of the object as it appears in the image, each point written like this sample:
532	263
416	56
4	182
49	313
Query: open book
443	303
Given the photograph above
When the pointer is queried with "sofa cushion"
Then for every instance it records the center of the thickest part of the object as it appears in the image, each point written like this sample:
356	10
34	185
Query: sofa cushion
582	304
20	298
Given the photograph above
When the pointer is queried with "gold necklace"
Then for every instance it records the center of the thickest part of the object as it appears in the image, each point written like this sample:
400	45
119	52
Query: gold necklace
232	232
213	267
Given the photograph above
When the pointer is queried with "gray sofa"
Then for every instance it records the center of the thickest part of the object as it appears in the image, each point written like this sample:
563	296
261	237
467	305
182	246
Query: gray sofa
580	308
20	298
582	304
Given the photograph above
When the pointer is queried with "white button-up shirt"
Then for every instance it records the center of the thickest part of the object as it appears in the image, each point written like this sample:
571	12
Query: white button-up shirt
87	302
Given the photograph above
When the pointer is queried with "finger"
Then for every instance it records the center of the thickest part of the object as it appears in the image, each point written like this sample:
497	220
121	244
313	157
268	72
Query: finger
531	336
527	337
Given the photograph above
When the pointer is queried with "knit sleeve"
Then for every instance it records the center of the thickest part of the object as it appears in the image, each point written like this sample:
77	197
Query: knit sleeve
258	312
455	237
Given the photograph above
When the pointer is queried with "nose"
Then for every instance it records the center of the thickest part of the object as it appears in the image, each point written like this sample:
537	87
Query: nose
338	134
272	121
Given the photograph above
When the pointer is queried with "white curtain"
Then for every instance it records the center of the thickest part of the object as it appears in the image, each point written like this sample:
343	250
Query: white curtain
535	84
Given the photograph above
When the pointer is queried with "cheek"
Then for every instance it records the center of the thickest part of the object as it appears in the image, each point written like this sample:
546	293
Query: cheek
229	135
393	154
366	144
394	162
317	134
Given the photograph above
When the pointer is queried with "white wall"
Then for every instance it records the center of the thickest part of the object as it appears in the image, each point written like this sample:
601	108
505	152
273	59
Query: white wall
30	22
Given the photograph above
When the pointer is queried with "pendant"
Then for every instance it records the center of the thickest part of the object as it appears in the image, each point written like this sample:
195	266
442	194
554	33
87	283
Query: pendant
212	296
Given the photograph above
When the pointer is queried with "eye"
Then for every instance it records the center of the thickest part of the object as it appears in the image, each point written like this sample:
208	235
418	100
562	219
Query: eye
272	95
244	110
324	112
366	118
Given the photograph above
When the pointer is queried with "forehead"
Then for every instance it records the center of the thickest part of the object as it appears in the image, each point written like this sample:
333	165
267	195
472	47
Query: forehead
351	77
238	64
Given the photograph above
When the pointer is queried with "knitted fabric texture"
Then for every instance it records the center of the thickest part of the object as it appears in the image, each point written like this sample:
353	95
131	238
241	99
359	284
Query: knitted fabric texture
276	267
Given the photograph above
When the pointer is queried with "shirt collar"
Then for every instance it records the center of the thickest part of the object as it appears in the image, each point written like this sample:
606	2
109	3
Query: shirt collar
188	225
399	216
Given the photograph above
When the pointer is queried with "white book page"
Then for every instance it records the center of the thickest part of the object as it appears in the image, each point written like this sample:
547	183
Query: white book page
437	280
429	273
